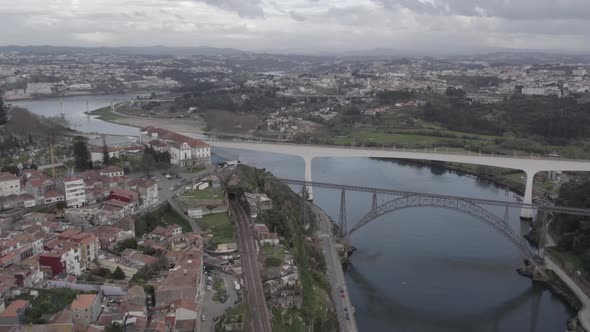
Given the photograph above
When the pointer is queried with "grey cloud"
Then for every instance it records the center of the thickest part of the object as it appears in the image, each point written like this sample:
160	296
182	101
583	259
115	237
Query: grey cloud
296	16
244	8
507	9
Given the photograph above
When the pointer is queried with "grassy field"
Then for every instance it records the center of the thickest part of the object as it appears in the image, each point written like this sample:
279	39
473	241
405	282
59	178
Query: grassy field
220	226
106	114
273	251
208	193
407	138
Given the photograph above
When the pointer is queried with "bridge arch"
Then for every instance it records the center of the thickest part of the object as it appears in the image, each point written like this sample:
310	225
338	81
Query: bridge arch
450	203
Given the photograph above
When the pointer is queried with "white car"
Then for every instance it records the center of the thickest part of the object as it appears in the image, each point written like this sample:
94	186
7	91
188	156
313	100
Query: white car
171	188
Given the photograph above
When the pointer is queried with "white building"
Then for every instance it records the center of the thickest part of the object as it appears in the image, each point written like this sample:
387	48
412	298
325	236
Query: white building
184	150
111	171
534	91
9	184
73	189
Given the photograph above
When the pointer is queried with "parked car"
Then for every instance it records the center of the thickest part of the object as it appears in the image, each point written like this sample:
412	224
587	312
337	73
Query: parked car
203	318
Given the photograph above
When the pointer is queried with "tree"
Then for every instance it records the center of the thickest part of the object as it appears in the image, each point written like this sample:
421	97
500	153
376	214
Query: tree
114	327
148	162
3	111
118	274
105	152
81	154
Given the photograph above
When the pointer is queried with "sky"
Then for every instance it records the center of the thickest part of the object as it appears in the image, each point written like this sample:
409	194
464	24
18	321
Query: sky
312	26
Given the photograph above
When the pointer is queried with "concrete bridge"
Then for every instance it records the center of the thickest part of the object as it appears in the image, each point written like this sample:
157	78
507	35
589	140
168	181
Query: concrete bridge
530	165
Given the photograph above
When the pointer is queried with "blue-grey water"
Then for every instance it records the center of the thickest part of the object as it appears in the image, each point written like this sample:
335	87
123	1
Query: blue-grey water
73	109
415	270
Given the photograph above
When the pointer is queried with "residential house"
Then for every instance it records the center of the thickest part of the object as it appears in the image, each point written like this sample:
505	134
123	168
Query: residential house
161	233
137	258
183	281
74	190
109	236
112	171
147	189
9	184
61	260
53	196
97	153
86	309
14	313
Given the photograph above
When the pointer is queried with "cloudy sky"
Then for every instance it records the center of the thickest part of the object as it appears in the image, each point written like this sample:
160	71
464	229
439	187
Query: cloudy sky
310	25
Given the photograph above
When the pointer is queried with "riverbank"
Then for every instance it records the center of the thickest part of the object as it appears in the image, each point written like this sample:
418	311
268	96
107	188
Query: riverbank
21	98
177	125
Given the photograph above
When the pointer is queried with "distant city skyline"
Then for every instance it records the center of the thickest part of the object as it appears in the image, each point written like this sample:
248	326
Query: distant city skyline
303	26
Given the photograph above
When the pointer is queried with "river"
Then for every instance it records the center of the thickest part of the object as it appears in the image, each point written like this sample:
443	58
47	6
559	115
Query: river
415	270
74	108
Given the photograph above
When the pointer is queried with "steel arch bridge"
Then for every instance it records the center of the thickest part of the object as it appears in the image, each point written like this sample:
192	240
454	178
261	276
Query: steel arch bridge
450	203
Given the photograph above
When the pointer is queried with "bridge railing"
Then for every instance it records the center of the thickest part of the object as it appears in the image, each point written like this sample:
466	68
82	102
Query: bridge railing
443	151
482	201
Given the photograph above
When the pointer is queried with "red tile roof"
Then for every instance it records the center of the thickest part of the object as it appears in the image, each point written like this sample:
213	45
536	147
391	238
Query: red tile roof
111	169
84	301
7	176
12	309
53	194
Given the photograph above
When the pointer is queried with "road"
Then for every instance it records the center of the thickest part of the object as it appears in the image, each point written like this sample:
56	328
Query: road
584	313
335	274
260	319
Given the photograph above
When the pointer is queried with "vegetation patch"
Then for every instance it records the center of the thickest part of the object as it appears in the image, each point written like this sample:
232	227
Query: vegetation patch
162	216
106	114
220	226
49	302
219	288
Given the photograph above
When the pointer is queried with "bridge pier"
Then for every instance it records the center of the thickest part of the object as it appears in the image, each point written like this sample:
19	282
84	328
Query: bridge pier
527	213
308	177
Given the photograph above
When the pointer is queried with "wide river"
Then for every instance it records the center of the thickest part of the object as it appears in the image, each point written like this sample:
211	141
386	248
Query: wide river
416	270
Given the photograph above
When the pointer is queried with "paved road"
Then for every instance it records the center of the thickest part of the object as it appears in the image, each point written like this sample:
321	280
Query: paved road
335	274
259	313
584	313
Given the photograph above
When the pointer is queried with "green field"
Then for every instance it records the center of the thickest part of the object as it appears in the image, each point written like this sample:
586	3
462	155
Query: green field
220	227
106	114
273	251
208	193
409	139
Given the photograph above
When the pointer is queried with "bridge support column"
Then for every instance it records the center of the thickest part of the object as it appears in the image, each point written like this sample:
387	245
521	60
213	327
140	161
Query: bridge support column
308	177
374	201
343	220
527	213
